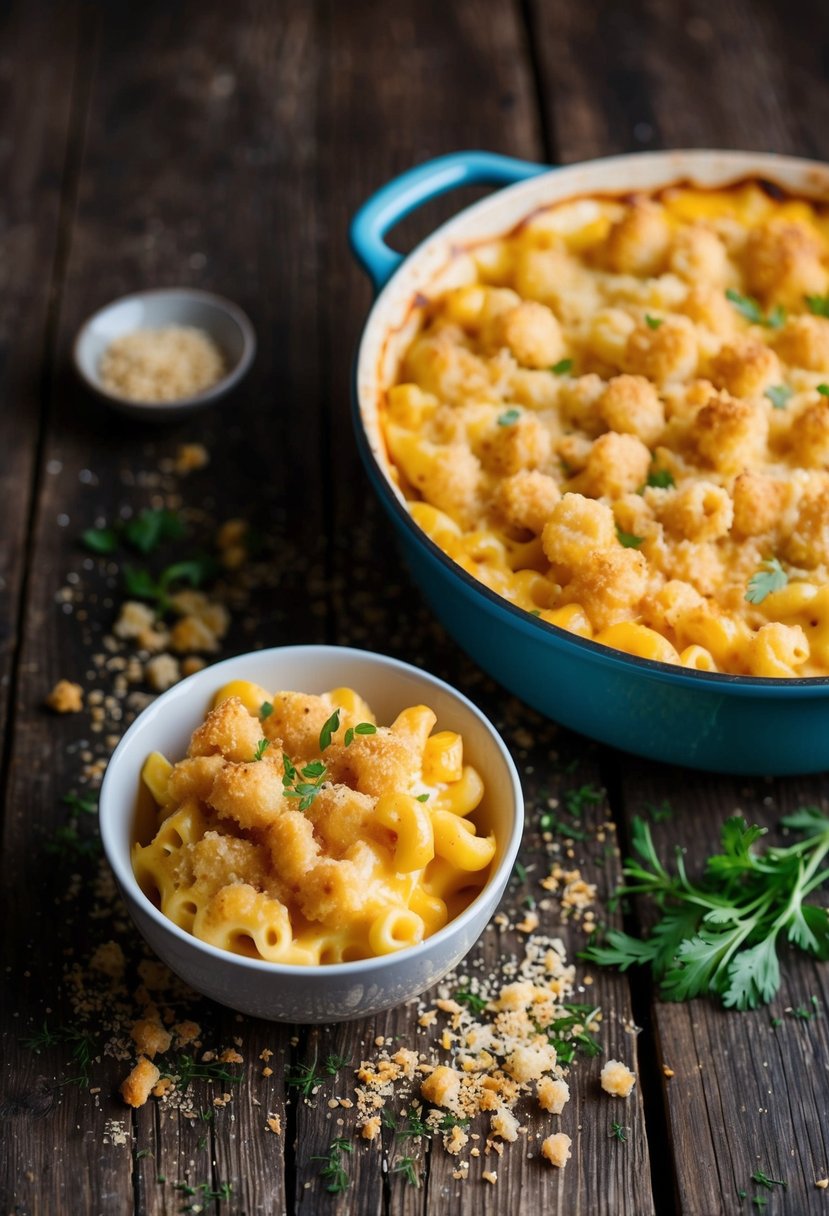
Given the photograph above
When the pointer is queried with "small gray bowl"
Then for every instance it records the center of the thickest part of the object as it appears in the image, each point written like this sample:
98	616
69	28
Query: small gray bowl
222	320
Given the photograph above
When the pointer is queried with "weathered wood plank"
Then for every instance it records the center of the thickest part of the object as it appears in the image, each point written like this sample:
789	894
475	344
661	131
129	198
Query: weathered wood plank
41	77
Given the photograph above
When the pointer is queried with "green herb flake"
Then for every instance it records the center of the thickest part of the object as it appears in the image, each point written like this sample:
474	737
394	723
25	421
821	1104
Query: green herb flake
763	1179
779	395
661	479
628	540
769	578
823	389
618	1131
818	305
334	1063
265	710
100	540
150	527
509	417
261	747
329	729
82	805
423	797
576	801
472	1000
333	1172
562	368
749	308
407	1168
652	322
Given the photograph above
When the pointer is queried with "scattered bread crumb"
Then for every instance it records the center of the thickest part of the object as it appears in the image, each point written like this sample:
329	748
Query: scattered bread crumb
617	1079
66	698
190	457
136	1088
556	1149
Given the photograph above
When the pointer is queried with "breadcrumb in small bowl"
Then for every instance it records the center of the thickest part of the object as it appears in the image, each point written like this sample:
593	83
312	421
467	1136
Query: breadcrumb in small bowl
165	353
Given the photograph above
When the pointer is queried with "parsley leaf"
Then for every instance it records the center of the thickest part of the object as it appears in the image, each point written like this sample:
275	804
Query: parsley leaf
149	527
100	540
749	308
823	389
362	728
662	479
779	395
652	322
562	368
261	747
720	935
329	728
770	577
265	710
509	417
818	305
628	539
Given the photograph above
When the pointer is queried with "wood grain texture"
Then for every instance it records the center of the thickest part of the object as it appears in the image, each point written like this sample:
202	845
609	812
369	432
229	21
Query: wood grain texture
39	97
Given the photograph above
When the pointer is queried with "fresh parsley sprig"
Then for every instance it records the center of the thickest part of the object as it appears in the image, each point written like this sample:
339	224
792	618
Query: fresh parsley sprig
333	1172
719	936
303	783
770	577
362	728
144	532
142	585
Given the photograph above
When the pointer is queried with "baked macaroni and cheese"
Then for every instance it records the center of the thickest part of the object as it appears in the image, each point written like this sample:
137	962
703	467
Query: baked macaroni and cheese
618	419
298	830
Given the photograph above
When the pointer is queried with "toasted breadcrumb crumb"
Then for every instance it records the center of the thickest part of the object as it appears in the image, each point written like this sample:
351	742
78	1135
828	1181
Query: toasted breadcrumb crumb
490	1176
191	457
136	1088
274	1125
617	1079
556	1149
66	698
162	672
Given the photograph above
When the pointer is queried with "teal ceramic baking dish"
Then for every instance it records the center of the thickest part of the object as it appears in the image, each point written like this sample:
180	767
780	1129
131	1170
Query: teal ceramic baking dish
721	723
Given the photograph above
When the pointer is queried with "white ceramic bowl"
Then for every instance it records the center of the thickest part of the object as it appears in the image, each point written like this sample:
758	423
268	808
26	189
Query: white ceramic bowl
340	991
226	323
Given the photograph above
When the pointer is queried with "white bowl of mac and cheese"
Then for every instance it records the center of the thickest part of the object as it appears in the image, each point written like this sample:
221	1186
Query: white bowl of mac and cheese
311	833
596	407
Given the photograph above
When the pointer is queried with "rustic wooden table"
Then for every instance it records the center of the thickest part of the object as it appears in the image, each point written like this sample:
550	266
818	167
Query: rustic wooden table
225	147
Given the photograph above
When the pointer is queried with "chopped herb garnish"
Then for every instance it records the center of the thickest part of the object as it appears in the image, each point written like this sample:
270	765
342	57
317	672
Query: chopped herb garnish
423	797
333	1172
362	728
141	1153
661	479
652	322
146	531
628	539
520	872
509	417
719	935
329	728
143	586
334	1063
763	1179
658	814
577	800
265	710
570	1034
465	996
779	395
187	1068
82	1049
618	1131
100	540
749	308
261	747
562	368
306	790
775	1022
306	1079
205	1192
770	577
823	389
407	1168
66	841
83	805
818	305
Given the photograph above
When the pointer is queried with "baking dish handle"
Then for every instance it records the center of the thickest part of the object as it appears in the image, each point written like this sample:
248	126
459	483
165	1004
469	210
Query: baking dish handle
416	186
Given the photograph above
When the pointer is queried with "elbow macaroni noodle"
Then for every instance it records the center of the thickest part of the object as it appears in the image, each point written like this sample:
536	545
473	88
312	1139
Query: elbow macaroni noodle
297	830
618	415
